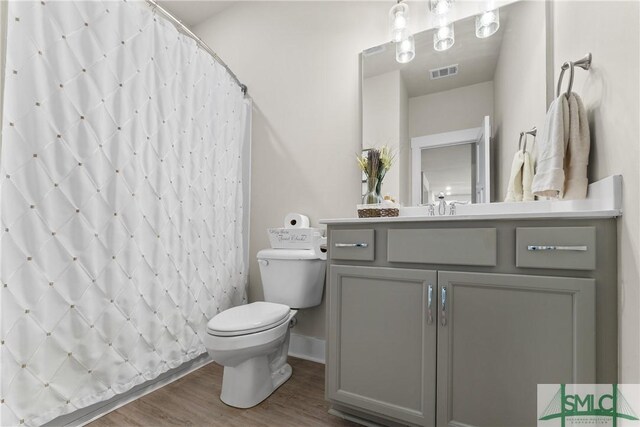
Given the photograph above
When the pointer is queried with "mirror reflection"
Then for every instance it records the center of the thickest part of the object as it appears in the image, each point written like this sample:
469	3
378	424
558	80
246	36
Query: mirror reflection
454	116
447	171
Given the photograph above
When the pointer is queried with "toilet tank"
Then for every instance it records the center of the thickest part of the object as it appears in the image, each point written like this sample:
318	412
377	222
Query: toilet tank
294	277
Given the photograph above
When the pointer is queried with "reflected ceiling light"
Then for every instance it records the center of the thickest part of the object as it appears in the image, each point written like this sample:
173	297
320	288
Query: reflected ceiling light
440	7
444	37
487	24
398	21
406	48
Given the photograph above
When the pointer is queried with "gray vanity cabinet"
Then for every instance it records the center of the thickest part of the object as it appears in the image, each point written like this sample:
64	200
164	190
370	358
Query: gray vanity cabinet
461	335
383	341
500	335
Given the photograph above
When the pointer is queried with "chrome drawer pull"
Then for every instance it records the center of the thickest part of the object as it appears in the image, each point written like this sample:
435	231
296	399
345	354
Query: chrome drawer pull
557	248
351	245
443	315
429	305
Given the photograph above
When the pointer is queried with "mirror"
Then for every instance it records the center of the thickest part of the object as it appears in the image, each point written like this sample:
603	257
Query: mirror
454	117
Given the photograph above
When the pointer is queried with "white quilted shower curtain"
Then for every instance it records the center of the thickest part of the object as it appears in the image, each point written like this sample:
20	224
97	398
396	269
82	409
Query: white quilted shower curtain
120	200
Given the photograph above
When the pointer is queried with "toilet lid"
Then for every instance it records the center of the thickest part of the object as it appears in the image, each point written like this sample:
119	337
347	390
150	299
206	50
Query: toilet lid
247	319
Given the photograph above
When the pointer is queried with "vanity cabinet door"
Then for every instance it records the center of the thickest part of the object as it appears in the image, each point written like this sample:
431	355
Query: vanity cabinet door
500	335
382	341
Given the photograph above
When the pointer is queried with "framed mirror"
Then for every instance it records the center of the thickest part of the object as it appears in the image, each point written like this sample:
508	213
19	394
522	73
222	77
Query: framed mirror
454	117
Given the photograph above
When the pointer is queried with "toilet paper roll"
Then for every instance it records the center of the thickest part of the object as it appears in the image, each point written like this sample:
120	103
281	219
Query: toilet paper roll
296	220
320	246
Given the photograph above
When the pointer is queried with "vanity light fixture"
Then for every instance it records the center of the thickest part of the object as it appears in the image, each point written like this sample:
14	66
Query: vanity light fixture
406	48
398	21
487	24
444	37
440	7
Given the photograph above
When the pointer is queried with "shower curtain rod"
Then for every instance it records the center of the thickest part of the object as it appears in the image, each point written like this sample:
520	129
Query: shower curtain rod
185	30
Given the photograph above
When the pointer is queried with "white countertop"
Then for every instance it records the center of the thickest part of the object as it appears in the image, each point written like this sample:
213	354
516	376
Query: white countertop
604	200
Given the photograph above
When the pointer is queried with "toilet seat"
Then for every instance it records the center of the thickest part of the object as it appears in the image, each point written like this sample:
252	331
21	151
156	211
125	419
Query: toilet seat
248	319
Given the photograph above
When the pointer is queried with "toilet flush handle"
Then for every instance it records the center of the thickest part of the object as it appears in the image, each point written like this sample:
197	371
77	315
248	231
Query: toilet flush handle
263	262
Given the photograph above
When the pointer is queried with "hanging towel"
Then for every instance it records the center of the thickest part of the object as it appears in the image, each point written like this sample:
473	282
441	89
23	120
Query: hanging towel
577	155
514	187
549	178
519	187
527	177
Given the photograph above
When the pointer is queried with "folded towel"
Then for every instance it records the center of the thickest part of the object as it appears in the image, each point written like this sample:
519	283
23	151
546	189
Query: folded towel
577	155
527	177
549	178
514	187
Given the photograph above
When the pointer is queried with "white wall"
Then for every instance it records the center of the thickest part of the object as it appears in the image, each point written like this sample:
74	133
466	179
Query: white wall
455	109
403	159
611	93
381	122
300	61
520	86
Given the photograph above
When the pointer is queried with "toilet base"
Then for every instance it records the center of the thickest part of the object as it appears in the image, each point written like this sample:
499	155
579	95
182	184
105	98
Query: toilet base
251	382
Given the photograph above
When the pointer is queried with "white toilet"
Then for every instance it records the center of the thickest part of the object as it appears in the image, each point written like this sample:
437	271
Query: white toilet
252	341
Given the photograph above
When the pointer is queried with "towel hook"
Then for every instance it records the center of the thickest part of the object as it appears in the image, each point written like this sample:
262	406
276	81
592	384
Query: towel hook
584	63
565	66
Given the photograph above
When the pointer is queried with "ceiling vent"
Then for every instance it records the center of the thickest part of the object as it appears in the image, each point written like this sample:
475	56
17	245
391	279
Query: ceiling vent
448	71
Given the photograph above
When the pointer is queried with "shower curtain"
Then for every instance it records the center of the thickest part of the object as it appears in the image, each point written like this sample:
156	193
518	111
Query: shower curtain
120	201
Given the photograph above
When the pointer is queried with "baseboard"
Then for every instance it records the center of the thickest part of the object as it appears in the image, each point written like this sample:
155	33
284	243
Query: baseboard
308	348
86	415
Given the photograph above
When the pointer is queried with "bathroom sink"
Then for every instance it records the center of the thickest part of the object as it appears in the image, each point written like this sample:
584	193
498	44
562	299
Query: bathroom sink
604	197
604	200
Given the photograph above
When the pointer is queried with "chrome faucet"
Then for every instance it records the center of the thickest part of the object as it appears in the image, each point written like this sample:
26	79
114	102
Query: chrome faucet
442	204
431	209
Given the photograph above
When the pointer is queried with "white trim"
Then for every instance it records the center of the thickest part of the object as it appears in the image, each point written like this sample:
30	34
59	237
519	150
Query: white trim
308	348
480	137
445	139
91	413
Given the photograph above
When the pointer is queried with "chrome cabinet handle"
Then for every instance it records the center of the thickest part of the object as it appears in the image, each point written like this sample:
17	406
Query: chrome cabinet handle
351	245
557	248
443	297
429	305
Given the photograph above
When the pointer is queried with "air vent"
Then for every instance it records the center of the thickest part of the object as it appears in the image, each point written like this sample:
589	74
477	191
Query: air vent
448	71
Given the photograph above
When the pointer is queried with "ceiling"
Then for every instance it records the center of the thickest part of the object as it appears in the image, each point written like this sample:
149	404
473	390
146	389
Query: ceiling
476	59
194	12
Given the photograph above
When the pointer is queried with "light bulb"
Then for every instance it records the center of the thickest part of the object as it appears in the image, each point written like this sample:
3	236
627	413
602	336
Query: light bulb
444	38
398	21
440	7
405	49
488	23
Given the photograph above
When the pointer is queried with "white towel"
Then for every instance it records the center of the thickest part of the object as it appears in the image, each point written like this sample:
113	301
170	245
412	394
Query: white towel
527	177
519	186
549	178
514	187
577	155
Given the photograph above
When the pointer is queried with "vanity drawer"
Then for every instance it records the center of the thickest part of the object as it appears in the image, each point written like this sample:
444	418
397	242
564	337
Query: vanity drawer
357	245
564	248
466	246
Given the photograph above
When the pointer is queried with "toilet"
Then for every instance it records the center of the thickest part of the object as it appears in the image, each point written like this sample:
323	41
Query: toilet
252	341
